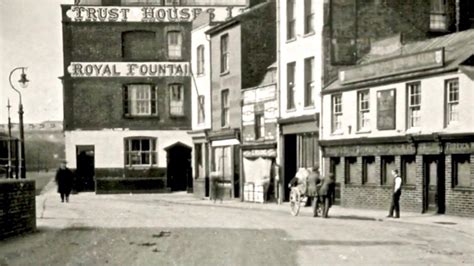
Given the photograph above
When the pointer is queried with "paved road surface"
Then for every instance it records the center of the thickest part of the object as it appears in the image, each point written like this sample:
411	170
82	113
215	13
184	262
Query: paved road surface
149	230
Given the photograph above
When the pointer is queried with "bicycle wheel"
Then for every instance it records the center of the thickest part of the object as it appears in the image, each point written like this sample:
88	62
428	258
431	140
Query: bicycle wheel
295	198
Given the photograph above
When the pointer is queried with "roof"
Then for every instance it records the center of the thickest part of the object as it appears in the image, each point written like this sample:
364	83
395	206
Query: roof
458	47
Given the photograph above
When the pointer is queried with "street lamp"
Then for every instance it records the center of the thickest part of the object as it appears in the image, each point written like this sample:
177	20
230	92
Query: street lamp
23	83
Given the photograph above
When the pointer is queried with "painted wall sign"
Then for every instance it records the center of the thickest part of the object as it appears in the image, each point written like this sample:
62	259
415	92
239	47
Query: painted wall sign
260	153
459	147
386	115
128	69
149	13
393	66
376	150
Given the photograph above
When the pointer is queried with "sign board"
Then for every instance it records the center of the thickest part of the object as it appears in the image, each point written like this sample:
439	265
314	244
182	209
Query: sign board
393	66
150	13
128	69
386	115
459	147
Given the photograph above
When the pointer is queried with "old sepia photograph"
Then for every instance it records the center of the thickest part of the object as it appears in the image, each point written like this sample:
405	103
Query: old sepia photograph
236	132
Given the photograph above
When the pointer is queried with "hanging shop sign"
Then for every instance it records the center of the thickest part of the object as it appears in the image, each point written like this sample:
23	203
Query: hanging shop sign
150	13
128	69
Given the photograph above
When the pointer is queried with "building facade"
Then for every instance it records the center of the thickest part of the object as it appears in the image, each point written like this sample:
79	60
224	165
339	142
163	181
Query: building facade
409	109
238	62
127	91
300	68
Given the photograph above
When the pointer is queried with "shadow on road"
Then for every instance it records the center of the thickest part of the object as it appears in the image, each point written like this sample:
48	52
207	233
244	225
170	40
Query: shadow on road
353	217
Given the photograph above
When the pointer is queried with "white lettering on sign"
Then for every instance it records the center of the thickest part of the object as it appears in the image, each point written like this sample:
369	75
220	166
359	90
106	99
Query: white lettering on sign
150	13
129	69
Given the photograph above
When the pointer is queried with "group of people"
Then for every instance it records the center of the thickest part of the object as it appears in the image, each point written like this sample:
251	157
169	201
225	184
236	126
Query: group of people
323	190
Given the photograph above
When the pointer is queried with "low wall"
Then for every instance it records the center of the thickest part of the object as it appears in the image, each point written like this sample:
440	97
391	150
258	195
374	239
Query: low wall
17	207
109	185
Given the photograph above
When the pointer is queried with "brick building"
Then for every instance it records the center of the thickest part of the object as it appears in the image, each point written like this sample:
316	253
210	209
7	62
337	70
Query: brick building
127	91
408	109
238	62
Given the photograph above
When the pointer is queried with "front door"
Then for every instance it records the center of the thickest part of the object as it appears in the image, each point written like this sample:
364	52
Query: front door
179	170
433	184
85	168
289	162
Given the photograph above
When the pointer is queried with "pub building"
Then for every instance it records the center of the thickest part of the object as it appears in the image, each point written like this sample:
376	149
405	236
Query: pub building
408	109
127	91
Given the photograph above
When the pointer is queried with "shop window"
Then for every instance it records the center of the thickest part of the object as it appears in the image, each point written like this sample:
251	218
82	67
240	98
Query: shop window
221	162
461	170
200	60
140	100
368	170
308	16
259	126
337	113
309	82
452	101
175	43
140	151
350	171
138	45
224	53
290	19
363	118
290	89
387	165
308	150
176	100
225	108
201	110
408	172
413	104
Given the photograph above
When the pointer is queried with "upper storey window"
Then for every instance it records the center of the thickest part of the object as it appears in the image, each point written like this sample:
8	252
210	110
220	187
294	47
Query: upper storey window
200	60
141	2
290	19
224	53
308	17
138	45
440	17
175	43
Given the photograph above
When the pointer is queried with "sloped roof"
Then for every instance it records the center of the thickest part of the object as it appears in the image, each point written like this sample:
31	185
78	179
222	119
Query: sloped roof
458	47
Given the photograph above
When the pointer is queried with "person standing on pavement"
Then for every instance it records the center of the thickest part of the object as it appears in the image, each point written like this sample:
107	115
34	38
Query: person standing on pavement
64	179
396	193
326	194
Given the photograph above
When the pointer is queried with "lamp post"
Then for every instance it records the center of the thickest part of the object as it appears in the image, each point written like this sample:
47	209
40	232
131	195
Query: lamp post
9	170
23	83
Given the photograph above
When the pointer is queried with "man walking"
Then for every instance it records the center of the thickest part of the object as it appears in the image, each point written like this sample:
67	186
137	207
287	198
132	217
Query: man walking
326	194
397	191
64	179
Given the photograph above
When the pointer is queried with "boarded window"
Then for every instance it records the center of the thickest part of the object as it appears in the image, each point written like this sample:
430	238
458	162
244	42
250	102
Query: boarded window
138	45
350	172
368	170
388	165
408	169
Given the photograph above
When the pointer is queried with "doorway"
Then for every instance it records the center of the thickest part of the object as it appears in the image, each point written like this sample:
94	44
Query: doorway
179	169
85	172
433	184
290	152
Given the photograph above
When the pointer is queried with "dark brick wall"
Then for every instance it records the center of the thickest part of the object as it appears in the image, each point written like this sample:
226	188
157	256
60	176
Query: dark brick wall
17	207
130	185
130	173
459	201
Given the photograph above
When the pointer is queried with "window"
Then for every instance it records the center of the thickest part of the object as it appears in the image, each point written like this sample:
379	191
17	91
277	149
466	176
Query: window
290	74
201	112
176	99
308	150
336	113
461	171
363	119
225	108
200	60
291	19
224	53
408	169
309	82
140	100
175	42
138	45
259	126
140	151
388	164
368	170
172	2
350	171
452	101
414	104
308	17
438	15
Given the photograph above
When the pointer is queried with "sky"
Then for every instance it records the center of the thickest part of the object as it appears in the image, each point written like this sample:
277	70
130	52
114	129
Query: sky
31	36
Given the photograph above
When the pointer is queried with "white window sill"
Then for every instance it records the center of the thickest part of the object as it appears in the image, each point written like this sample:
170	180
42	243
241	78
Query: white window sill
337	133
363	131
413	130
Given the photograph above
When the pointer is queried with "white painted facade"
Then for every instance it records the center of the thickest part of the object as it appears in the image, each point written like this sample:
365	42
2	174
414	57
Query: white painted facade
109	144
433	102
297	50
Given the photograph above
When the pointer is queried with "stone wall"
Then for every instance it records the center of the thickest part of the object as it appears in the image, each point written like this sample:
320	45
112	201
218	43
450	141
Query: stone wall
459	201
17	207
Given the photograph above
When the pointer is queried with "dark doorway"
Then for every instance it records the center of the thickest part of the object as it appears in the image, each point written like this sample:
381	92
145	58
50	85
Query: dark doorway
433	184
179	170
336	169
85	171
290	152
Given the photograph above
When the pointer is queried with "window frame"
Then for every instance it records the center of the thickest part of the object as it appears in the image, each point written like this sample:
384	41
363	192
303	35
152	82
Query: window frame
201	109
336	124
290	20
225	54
411	106
200	60
350	161
129	105
365	176
259	125
152	153
309	15
309	82
384	174
225	108
177	47
439	17
290	86
454	169
404	160
171	87
448	114
363	110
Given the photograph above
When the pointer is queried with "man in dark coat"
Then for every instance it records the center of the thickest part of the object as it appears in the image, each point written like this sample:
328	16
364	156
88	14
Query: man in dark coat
64	179
326	194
